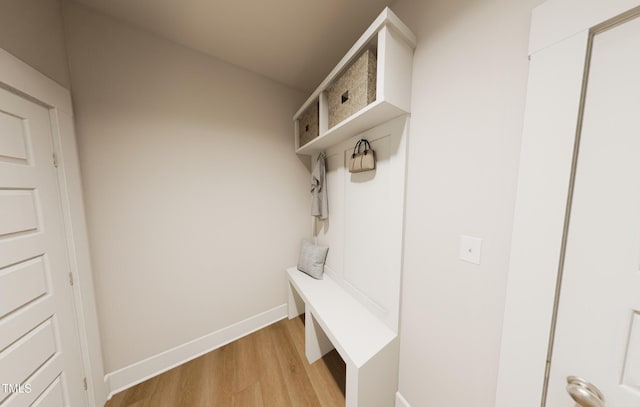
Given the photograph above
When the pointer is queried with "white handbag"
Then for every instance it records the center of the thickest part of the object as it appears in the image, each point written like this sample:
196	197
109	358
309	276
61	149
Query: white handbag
364	160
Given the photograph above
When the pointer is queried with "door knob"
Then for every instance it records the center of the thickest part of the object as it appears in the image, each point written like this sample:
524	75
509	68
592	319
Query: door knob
585	394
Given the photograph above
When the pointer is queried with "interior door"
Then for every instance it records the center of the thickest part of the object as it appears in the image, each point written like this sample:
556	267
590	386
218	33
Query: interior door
40	362
598	323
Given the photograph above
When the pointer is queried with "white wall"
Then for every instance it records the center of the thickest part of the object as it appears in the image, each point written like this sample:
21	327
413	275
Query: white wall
195	199
31	30
469	83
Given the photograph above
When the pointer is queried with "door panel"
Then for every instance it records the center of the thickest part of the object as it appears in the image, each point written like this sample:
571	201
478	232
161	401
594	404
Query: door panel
17	211
52	397
598	329
21	284
39	346
24	357
13	147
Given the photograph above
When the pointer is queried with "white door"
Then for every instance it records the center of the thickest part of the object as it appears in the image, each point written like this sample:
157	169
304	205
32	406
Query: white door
40	362
598	326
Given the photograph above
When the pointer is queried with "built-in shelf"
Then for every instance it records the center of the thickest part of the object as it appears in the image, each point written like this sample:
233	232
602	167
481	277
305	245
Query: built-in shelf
394	44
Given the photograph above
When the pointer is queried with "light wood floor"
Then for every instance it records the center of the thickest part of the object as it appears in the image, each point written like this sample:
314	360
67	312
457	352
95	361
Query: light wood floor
265	369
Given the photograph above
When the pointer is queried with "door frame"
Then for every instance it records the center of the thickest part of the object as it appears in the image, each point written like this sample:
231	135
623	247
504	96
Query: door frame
19	77
559	53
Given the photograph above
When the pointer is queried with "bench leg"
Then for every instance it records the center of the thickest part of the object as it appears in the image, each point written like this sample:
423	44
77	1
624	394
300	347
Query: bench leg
316	342
375	384
295	304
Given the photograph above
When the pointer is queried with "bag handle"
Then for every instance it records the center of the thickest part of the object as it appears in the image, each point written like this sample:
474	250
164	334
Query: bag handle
360	142
356	149
367	146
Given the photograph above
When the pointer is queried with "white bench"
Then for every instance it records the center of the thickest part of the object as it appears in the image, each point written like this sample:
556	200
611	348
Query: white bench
335	319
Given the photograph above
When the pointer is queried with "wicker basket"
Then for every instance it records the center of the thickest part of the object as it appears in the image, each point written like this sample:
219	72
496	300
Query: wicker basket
354	89
308	124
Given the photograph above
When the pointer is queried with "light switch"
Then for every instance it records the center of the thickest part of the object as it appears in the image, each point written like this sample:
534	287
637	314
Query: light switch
470	248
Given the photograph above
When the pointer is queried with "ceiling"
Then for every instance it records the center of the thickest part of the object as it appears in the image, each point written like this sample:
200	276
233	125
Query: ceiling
295	42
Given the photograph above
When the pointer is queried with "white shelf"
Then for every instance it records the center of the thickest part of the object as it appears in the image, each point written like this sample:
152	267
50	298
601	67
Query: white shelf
395	43
376	113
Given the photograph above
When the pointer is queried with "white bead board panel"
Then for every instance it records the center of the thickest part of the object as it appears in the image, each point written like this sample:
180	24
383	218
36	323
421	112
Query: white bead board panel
365	226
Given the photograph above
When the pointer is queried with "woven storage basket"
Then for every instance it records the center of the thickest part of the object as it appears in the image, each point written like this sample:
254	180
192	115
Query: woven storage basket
354	89
308	124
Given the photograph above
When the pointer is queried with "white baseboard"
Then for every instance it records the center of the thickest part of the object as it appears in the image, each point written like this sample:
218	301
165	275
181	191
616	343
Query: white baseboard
401	401
138	372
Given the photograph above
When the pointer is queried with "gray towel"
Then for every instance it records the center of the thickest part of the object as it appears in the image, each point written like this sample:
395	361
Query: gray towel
319	203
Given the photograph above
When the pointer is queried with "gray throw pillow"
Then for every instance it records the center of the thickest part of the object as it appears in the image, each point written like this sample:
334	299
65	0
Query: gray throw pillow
311	260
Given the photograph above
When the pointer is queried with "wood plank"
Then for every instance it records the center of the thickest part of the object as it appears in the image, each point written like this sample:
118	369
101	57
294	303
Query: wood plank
296	330
219	372
274	389
265	369
191	383
301	391
328	375
250	396
138	393
248	369
166	390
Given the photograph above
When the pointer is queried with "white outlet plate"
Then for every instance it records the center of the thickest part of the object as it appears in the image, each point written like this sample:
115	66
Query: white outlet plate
470	249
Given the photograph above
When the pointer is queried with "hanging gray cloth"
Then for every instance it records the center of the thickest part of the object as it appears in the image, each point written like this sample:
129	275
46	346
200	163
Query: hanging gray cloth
319	202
